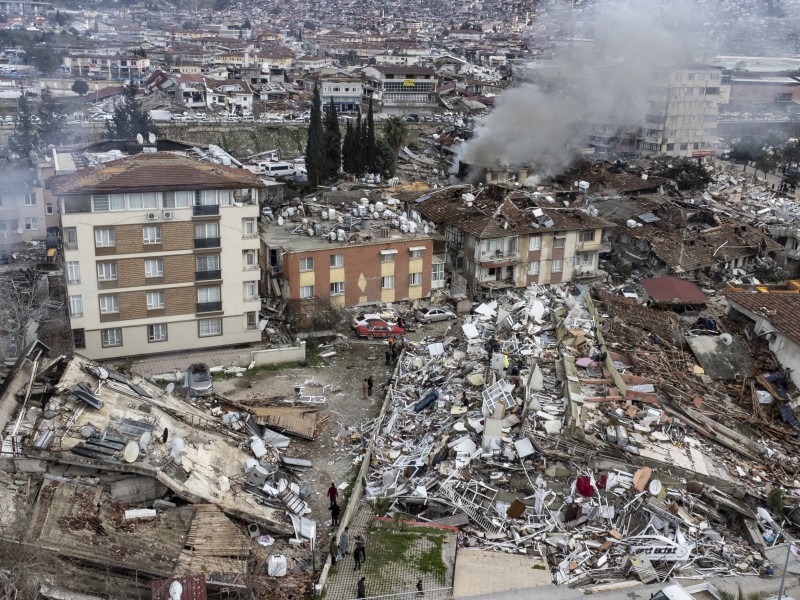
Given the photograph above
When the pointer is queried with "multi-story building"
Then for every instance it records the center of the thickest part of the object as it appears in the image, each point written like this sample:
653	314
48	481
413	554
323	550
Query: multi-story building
23	210
398	90
497	238
344	92
355	267
160	254
106	67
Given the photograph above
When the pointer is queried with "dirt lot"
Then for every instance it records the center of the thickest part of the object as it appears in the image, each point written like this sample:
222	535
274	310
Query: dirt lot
340	380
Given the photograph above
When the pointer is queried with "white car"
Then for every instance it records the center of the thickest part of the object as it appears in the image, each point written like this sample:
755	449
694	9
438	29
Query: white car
429	315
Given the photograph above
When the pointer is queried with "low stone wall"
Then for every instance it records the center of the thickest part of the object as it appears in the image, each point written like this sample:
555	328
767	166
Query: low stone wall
278	355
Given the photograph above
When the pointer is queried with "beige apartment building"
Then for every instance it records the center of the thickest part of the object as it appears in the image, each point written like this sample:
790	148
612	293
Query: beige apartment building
160	254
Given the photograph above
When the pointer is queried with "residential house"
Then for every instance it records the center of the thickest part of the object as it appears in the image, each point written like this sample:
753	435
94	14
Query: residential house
160	254
344	92
399	90
498	238
118	66
232	95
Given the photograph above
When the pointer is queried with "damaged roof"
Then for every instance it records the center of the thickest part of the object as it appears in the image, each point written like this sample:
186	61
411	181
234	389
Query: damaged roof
156	171
781	310
673	289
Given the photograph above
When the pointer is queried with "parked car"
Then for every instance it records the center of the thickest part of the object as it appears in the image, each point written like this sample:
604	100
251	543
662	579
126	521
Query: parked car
197	380
378	329
429	315
366	318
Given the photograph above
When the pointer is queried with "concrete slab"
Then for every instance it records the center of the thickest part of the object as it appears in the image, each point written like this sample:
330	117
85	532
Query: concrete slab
482	572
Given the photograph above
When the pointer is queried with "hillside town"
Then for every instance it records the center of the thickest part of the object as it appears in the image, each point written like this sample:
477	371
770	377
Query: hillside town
344	299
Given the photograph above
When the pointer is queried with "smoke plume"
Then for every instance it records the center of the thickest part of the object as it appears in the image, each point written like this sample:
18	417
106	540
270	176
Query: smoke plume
602	77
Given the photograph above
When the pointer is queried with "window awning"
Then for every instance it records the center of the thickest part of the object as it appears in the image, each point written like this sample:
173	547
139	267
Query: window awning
389	251
413	248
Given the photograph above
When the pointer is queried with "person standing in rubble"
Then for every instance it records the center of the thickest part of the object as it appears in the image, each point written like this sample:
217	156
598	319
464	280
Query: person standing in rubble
335	510
370	385
365	388
388	355
394	353
333	493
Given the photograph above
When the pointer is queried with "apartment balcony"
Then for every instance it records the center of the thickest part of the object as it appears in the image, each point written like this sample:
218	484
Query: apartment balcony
637	255
204	307
207	275
207	242
498	256
205	210
592	246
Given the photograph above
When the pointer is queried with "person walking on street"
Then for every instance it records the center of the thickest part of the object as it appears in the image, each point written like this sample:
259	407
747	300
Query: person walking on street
333	493
335	510
361	544
334	550
358	557
362	588
419	588
344	542
370	384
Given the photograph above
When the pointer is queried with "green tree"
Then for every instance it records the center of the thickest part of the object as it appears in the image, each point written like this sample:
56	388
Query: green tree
371	149
348	151
359	154
333	144
43	58
25	138
395	133
129	117
748	149
80	87
790	153
385	158
52	120
315	145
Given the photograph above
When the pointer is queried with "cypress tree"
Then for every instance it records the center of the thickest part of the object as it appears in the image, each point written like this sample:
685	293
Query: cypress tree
315	145
371	147
358	149
348	160
333	144
52	121
129	117
25	138
366	167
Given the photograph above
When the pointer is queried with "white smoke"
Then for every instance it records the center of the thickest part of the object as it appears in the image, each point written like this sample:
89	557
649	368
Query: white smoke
632	46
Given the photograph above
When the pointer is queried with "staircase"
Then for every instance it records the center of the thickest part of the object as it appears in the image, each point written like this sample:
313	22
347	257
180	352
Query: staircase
469	508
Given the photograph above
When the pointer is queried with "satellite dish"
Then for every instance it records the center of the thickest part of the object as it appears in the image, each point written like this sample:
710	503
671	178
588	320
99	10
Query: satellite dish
102	373
144	439
280	220
175	590
170	387
131	452
655	487
139	138
726	338
151	138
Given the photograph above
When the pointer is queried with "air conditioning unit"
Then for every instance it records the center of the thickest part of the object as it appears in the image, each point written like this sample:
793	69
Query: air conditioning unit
168	214
152	216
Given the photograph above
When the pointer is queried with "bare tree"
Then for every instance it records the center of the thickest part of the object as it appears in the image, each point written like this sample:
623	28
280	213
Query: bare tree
25	293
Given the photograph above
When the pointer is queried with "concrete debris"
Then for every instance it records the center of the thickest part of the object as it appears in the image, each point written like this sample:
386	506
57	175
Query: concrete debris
551	427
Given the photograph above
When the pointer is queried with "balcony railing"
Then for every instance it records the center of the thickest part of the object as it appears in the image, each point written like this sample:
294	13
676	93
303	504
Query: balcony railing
206	275
206	242
209	306
205	210
498	256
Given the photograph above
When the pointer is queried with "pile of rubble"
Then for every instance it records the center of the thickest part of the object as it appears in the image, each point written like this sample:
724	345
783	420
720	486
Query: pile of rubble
579	430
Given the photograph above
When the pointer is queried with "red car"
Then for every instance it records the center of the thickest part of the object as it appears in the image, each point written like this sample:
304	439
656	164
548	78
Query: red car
378	329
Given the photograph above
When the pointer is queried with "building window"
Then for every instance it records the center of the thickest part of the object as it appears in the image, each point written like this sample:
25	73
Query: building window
250	292
177	199
70	238
155	300
533	268
157	333
249	260
111	337
104	237
49	209
337	260
337	288
79	338
106	271
143	200
388	255
307	291
415	279
437	272
108	202
251	320
209	327
75	306
586	235
559	242
584	259
30	199
151	234
534	243
415	253
249	227
209	295
73	272
31	223
153	267
109	304
557	266
387	282
307	264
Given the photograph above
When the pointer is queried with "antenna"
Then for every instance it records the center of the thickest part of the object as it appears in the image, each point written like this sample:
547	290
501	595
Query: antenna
139	138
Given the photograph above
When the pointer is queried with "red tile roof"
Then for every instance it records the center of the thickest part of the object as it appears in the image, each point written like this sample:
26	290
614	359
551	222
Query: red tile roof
782	311
673	290
157	171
